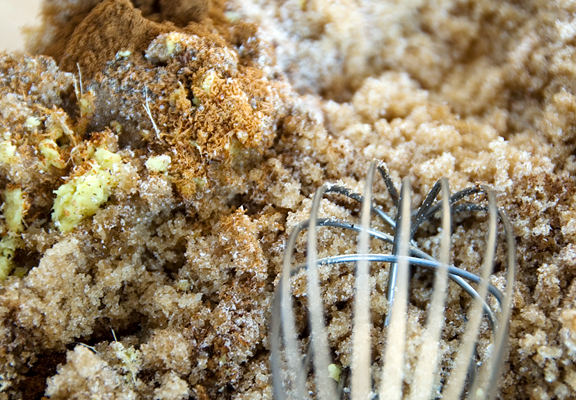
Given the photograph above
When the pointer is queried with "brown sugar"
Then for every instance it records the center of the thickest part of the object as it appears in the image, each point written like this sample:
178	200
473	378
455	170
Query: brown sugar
147	206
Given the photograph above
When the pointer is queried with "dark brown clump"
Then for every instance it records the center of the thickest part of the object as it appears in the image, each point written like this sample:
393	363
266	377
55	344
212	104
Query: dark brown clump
112	26
183	11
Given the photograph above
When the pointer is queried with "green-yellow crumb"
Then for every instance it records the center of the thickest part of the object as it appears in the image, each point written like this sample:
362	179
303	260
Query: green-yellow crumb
158	163
83	195
334	371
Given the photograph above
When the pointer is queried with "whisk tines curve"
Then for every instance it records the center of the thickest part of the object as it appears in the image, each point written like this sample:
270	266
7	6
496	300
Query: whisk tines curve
303	367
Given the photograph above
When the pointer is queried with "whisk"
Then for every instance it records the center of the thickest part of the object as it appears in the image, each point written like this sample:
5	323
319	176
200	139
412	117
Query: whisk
469	377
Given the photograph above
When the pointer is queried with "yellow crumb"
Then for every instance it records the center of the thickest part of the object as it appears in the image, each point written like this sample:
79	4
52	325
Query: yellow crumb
8	246
49	149
86	103
14	208
7	152
208	81
32	122
124	53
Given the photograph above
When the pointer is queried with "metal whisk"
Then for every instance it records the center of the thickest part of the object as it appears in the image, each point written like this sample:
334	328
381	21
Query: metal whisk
469	377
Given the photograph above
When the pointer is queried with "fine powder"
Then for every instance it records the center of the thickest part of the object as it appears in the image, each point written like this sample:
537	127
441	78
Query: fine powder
154	156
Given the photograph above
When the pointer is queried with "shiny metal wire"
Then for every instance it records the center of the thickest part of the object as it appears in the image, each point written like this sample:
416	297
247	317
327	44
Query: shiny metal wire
291	369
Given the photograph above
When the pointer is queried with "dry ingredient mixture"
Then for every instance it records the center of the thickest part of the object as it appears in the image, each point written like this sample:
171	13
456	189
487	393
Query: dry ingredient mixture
154	158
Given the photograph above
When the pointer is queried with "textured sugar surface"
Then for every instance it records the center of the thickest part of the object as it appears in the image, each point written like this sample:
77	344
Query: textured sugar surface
256	106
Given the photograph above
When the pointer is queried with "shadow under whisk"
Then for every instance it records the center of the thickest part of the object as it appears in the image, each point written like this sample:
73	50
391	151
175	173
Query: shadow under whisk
469	377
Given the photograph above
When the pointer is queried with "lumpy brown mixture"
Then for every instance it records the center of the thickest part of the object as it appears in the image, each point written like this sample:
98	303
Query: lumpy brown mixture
155	157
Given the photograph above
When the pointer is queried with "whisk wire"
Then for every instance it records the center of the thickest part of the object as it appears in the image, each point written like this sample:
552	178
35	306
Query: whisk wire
361	337
429	352
393	368
428	201
319	338
287	320
388	182
491	369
